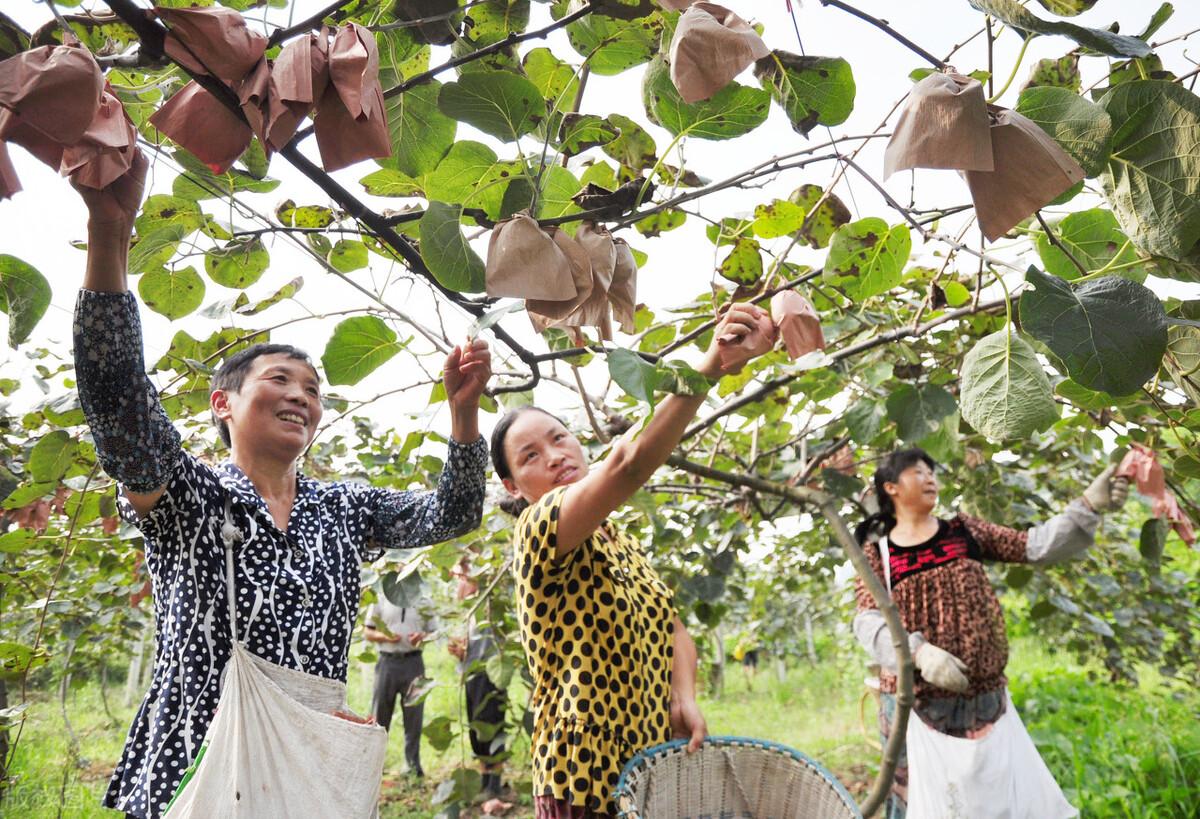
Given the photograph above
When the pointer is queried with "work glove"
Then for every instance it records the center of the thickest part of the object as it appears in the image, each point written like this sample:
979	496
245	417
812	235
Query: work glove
942	668
1106	492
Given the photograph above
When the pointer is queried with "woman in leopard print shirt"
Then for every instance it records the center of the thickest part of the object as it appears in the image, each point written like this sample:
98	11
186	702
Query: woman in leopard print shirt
946	602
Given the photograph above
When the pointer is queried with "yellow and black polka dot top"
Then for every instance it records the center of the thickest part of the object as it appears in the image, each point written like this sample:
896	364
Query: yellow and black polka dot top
597	630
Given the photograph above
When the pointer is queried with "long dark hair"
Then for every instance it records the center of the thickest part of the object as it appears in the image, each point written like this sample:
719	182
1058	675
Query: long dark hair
509	504
889	471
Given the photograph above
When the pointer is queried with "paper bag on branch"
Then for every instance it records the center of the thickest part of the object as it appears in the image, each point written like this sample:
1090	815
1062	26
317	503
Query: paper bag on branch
579	267
944	124
53	89
107	148
798	323
214	41
351	121
524	262
727	344
598	244
622	293
1029	171
711	46
298	79
9	183
201	123
1141	465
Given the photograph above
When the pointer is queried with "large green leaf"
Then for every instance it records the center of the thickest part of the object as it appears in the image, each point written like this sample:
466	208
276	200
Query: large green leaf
24	296
1110	333
1083	128
357	347
867	257
391	182
420	132
160	211
743	265
1067	8
612	46
401	55
777	218
446	253
811	90
733	111
1056	73
499	103
174	293
920	411
154	248
578	132
1153	177
634	147
348	255
555	80
558	185
491	21
457	176
51	456
1106	42
819	226
634	374
1095	240
238	264
1003	391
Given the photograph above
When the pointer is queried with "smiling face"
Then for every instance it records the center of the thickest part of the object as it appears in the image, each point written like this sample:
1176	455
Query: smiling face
276	410
915	488
541	454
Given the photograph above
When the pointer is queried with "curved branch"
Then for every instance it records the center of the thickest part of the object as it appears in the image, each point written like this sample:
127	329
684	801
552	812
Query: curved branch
887	29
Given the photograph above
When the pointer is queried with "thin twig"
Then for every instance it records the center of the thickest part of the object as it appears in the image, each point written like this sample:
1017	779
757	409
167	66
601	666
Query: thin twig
883	26
305	25
1083	271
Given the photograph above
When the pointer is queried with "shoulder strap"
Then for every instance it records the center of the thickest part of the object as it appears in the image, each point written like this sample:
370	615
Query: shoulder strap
886	559
230	535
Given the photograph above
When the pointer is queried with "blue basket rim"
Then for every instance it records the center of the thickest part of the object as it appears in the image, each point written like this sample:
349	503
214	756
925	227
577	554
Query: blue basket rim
642	757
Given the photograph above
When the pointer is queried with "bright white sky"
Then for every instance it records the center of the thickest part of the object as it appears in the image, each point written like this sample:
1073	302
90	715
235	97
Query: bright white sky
39	222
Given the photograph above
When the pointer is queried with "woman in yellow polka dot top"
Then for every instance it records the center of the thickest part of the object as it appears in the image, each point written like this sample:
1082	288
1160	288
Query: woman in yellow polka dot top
613	667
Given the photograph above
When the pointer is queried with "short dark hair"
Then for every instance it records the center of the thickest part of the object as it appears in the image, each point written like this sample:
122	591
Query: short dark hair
508	504
889	471
232	373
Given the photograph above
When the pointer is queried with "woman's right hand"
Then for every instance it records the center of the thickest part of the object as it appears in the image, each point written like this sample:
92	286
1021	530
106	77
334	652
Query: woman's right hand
740	336
116	205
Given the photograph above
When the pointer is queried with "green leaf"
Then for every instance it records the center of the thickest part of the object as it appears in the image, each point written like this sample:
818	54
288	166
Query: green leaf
1052	73
199	182
633	374
357	347
1153	176
348	255
811	90
956	294
391	182
446	253
819	227
1153	539
634	147
871	254
743	265
463	174
1106	42
290	214
919	411
678	378
499	103
153	249
1018	577
579	132
733	111
1003	391
1095	240
1082	397
401	55
402	589
658	223
864	420
612	46
160	211
778	218
558	186
1083	128
420	132
1110	333
554	79
24	297
51	456
286	292
238	264
174	294
1067	8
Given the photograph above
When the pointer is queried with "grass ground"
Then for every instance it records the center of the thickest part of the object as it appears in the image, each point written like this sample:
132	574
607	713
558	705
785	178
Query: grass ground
1120	752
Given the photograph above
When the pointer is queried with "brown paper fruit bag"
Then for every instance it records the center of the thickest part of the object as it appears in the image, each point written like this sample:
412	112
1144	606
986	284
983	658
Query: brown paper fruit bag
351	121
1030	171
212	41
598	244
711	46
798	323
524	262
622	293
579	266
944	125
201	123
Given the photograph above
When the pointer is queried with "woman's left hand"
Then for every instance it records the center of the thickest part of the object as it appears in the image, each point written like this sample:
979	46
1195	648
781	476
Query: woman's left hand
688	723
466	373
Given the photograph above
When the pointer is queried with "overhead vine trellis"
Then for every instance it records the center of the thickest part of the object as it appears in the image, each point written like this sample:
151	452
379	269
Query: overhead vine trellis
920	406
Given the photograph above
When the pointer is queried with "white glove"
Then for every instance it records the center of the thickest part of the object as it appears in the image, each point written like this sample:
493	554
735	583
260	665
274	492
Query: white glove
1106	492
942	668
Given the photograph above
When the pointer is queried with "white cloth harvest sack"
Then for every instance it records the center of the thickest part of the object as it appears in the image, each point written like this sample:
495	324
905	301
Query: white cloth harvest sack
998	776
274	750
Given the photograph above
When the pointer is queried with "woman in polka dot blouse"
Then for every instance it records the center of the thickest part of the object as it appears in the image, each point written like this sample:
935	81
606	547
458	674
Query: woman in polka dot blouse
301	542
613	667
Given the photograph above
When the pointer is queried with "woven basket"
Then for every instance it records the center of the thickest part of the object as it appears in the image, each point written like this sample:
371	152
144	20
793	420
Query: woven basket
729	778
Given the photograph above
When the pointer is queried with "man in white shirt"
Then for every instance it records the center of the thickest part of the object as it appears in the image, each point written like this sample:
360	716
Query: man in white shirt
398	634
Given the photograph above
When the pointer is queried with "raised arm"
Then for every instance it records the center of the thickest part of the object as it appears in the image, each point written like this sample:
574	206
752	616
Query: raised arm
135	440
636	455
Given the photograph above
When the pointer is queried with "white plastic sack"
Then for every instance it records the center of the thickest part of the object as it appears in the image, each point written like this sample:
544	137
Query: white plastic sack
998	776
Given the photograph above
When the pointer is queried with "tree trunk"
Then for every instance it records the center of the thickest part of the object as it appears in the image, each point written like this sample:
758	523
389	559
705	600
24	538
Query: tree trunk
808	638
716	674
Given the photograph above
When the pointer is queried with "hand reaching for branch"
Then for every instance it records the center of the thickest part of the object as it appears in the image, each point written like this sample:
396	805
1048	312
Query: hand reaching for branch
117	205
466	373
744	332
